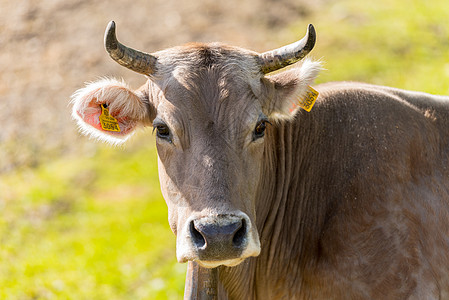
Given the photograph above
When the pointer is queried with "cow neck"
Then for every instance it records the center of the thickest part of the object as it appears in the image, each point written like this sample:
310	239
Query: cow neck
289	215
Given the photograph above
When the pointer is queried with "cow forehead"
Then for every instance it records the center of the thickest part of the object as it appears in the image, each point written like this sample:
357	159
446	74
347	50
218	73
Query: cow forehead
199	55
211	81
209	110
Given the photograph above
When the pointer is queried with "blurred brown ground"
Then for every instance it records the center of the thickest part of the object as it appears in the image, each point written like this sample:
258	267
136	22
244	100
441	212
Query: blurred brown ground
49	48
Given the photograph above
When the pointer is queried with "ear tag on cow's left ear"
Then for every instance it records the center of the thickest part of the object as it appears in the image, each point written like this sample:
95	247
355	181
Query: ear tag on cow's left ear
108	122
309	99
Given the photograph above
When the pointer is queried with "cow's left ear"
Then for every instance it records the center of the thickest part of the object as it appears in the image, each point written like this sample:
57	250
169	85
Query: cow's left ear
110	111
286	89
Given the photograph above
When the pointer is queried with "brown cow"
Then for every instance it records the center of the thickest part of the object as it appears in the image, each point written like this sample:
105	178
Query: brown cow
348	201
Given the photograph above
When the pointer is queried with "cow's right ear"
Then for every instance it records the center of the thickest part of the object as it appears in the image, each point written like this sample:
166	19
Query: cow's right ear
287	90
110	111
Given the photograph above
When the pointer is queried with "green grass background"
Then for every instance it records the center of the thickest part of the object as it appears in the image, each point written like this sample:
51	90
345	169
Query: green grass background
95	227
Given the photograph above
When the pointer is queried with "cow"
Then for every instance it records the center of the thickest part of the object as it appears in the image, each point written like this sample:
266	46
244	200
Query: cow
347	201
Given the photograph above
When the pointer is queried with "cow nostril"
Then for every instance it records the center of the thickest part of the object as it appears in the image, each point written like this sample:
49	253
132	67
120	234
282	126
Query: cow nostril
239	236
197	237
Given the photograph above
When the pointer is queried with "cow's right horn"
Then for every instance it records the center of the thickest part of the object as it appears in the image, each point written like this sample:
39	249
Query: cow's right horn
135	60
279	58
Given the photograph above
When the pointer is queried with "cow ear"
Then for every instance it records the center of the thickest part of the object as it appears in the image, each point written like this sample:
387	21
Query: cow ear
286	89
110	111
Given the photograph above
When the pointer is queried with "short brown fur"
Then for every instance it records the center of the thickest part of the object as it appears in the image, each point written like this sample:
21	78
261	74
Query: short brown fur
350	201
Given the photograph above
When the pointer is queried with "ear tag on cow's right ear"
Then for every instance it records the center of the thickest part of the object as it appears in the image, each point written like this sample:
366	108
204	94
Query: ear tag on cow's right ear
108	122
309	99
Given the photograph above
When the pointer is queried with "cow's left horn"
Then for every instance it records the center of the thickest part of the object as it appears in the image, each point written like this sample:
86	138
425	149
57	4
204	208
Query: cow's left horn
135	60
279	58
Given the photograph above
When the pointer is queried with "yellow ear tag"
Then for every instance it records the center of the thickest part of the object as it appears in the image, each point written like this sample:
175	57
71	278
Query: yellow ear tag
309	99
107	121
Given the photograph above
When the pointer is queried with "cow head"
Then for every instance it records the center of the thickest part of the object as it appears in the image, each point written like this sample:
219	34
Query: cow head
209	105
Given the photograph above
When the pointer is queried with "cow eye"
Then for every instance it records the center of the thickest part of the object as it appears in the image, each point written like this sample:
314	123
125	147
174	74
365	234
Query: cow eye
162	131
259	131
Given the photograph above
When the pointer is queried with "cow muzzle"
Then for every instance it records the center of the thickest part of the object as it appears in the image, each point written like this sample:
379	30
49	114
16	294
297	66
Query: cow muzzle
225	239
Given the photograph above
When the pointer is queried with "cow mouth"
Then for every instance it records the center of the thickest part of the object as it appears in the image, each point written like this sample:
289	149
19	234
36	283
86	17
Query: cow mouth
213	264
230	262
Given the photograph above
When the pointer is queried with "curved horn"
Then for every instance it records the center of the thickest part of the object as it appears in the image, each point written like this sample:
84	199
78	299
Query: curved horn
137	61
279	58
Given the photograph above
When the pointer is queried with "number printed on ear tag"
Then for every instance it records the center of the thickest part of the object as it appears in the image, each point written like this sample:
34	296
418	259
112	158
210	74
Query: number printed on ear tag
309	99
107	121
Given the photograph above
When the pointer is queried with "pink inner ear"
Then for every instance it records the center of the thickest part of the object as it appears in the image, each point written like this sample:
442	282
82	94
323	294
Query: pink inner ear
92	114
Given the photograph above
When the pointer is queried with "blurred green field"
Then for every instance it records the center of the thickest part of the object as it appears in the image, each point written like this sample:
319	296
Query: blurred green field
399	43
95	227
88	228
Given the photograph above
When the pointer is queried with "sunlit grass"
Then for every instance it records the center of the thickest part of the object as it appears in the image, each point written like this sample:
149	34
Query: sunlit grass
89	228
403	44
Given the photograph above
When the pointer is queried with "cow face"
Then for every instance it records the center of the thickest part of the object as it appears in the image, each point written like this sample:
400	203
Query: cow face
210	129
210	106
